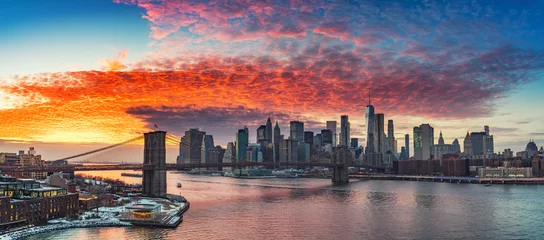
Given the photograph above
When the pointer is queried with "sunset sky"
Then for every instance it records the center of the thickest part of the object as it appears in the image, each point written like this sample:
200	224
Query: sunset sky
76	75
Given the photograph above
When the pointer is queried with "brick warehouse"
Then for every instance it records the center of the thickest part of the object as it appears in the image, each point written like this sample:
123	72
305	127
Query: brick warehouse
25	202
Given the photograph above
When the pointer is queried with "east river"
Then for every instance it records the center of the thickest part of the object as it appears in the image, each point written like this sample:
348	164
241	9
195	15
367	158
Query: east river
228	208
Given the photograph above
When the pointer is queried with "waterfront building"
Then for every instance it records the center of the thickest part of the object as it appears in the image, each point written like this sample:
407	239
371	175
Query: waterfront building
309	137
391	146
417	167
379	134
407	145
505	172
26	160
288	150
242	141
453	166
331	125
344	131
369	125
538	165
192	148
24	202
297	131
423	142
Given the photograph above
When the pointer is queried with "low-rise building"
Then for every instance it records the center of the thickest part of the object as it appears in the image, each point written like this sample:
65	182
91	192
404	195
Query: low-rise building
25	201
503	172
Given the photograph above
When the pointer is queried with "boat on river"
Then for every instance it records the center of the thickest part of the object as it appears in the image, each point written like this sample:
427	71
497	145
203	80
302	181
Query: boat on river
179	185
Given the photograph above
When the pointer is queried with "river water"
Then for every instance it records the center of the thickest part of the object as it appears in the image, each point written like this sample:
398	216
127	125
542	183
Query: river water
227	208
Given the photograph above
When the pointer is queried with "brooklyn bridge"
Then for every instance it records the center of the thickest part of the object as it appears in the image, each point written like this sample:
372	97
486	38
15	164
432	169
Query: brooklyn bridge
154	161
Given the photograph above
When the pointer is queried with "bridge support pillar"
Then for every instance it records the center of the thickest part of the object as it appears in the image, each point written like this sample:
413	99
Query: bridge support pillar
340	175
340	156
154	169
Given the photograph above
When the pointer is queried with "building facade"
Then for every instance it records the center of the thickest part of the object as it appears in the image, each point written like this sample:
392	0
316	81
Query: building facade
242	141
423	142
192	146
344	131
297	131
331	125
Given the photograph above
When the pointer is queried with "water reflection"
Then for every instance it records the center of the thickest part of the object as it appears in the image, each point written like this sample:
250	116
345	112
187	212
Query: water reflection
226	208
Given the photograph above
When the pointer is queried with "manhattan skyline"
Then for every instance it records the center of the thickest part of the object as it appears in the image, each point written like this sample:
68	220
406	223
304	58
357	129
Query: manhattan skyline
88	73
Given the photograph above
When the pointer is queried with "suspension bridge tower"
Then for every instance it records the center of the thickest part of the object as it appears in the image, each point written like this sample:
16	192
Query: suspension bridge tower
154	169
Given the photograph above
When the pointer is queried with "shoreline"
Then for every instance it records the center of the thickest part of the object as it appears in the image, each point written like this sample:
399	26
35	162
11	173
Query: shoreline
463	180
63	226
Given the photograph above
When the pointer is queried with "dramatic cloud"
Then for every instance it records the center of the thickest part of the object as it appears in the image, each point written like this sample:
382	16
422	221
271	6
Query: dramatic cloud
225	64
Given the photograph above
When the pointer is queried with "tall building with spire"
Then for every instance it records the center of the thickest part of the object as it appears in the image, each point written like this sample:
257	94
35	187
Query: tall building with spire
369	125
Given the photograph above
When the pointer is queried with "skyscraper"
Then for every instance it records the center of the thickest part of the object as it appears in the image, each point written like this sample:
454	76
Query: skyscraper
242	141
229	156
331	125
467	145
193	145
379	133
207	145
277	139
489	145
309	137
354	143
477	140
288	150
297	131
318	141
261	132
407	145
268	131
423	142
344	131
326	137
391	136
369	124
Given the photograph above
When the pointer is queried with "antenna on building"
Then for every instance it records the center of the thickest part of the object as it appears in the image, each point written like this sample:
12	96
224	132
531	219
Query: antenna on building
368	96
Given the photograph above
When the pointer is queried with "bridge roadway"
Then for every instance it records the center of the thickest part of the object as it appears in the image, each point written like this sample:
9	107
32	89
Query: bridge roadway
169	167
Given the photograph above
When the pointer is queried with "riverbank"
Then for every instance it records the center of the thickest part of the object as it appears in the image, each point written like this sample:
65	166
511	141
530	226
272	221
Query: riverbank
472	180
55	227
